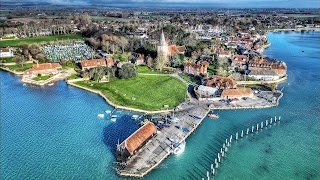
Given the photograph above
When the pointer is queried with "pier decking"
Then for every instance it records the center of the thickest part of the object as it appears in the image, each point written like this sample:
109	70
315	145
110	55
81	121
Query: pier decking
159	147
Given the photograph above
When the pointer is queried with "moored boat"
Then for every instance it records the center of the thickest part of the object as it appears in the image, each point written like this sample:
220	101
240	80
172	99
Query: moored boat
179	148
113	119
100	115
215	116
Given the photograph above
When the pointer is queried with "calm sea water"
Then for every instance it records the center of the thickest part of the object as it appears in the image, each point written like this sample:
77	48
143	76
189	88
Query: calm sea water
54	132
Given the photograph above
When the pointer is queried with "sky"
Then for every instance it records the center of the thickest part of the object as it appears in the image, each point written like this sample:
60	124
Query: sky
212	3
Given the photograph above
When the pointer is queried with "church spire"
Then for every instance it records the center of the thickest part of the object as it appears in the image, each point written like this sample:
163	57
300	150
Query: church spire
162	40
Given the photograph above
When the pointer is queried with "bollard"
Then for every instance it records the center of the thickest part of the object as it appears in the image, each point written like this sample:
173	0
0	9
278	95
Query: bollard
267	122
242	134
261	125
237	136
247	131
257	126
222	154
213	171
208	175
252	129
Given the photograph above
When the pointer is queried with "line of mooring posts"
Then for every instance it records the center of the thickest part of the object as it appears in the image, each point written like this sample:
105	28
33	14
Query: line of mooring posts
214	167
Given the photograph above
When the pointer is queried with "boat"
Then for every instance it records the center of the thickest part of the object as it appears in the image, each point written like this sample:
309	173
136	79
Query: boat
185	129
113	119
100	115
108	111
114	116
195	117
215	116
50	84
173	119
135	117
179	148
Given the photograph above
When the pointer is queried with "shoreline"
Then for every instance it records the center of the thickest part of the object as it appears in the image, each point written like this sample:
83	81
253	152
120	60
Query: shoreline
294	29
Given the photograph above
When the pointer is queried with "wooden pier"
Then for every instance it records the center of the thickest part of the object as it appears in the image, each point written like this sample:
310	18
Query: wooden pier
160	146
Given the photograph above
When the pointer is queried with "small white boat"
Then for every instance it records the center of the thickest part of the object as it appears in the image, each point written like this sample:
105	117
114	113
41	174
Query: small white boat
50	84
24	85
179	149
100	115
114	116
113	119
135	117
108	111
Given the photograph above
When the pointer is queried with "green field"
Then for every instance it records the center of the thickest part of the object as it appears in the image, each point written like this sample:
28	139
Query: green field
146	70
189	78
19	68
6	60
73	76
104	18
143	92
6	43
41	78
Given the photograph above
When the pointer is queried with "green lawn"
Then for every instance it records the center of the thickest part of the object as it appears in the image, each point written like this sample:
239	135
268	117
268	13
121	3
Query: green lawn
189	78
19	68
212	69
73	76
41	78
6	60
143	92
6	43
146	70
67	66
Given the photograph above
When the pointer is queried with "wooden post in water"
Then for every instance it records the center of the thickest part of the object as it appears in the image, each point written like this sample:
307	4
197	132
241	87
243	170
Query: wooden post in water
237	136
217	165
230	139
215	160
224	145
267	122
270	121
247	131
242	134
213	171
252	129
275	118
220	150
208	175
279	118
226	141
222	154
257	126
228	144
219	159
261	125
226	149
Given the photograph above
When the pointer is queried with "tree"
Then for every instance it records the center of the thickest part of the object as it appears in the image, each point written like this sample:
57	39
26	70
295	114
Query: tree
20	60
100	72
160	62
128	71
176	61
41	58
34	50
150	62
123	42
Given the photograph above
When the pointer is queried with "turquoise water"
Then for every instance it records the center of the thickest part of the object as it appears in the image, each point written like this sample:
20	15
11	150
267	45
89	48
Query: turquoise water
53	132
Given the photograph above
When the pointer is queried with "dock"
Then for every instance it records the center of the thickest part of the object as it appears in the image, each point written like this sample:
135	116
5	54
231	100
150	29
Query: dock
160	146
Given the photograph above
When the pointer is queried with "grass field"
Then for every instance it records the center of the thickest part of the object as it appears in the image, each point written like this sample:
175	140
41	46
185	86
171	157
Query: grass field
190	79
6	60
41	78
73	76
19	68
6	43
143	92
146	70
103	18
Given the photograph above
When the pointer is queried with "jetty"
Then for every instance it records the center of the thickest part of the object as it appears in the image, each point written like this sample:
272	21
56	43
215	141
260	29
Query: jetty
160	146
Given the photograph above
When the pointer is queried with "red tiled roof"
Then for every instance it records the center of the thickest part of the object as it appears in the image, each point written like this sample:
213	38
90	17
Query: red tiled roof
173	49
244	92
93	63
138	137
4	50
46	66
239	58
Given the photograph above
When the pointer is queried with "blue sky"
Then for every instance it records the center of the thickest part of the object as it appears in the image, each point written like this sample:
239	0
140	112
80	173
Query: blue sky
218	3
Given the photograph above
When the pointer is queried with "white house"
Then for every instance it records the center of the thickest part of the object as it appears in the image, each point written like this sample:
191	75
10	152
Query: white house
6	52
264	74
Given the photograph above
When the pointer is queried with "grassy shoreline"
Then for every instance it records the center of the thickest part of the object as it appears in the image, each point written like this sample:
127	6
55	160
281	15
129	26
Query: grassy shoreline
144	92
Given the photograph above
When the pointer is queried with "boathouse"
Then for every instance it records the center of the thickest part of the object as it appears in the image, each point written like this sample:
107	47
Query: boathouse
135	141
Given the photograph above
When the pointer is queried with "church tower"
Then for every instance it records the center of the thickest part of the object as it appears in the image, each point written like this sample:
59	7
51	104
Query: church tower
162	47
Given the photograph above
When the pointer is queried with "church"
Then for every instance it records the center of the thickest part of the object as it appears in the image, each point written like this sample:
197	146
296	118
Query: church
166	51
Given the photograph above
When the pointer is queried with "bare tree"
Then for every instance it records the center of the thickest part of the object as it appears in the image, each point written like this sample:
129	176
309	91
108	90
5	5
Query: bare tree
20	60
